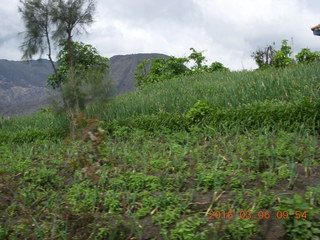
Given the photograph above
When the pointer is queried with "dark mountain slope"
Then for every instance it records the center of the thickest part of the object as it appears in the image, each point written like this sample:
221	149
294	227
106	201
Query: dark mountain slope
123	68
23	85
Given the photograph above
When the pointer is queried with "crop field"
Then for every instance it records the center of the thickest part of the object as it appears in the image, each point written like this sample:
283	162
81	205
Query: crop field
227	155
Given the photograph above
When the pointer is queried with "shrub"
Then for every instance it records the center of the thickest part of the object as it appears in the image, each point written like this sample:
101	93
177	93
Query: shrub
306	56
198	112
301	222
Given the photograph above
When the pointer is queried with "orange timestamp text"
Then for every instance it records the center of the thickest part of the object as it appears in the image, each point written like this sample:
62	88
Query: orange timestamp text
263	214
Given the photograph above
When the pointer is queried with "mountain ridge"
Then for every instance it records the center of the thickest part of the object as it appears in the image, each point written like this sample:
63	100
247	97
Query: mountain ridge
24	89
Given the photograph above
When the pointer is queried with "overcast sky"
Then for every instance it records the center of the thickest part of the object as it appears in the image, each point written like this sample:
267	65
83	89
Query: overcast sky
227	30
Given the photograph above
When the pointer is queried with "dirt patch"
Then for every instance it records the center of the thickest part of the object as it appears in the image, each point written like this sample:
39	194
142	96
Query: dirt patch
272	229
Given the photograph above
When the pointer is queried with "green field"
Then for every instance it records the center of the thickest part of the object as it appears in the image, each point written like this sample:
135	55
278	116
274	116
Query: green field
227	155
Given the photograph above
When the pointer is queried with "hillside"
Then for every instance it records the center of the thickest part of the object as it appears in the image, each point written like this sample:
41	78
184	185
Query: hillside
23	88
223	156
122	68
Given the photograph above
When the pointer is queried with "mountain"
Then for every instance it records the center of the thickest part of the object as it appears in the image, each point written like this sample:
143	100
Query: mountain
122	68
23	85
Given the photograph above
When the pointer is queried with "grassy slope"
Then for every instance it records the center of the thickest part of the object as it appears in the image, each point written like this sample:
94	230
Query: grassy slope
154	174
224	89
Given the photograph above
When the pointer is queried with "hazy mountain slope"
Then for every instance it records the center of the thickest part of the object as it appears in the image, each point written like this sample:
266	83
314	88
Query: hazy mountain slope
123	68
23	88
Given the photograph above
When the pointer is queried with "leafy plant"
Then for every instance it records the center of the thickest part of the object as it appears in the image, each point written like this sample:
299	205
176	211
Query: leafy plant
242	229
264	57
302	222
112	201
89	70
282	57
158	70
140	181
212	179
82	197
189	229
216	67
306	56
199	61
167	217
198	112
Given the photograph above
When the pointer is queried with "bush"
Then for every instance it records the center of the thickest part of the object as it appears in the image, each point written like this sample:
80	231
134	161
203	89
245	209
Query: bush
306	56
198	112
301	222
282	57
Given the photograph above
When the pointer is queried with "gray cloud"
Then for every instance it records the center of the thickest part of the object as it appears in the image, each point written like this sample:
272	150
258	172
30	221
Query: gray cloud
228	30
146	13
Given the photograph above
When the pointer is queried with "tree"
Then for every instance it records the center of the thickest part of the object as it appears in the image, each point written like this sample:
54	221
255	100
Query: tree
217	67
199	61
89	68
36	16
86	58
56	21
47	21
151	71
141	74
264	57
70	17
159	70
282	57
306	56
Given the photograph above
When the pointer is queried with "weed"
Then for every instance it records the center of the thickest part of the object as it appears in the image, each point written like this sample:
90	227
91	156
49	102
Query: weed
212	179
189	229
198	112
302	221
242	229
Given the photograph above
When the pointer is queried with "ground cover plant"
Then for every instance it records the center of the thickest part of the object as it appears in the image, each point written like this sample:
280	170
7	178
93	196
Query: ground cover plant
225	155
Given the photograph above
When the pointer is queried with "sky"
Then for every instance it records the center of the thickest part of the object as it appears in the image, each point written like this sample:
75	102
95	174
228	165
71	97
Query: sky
227	31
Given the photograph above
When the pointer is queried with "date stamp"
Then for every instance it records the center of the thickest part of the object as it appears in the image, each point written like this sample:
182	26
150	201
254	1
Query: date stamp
263	214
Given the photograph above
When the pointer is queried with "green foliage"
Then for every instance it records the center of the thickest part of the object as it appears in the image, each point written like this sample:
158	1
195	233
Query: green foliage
282	57
82	197
85	83
46	21
269	57
43	178
215	67
160	69
141	72
264	57
242	229
140	181
36	17
301	222
163	121
212	179
189	229
86	59
141	173
198	112
199	61
151	71
167	217
59	21
306	56
39	127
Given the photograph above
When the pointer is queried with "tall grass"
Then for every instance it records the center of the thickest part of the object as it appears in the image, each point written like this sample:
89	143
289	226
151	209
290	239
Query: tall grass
39	126
291	93
224	89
